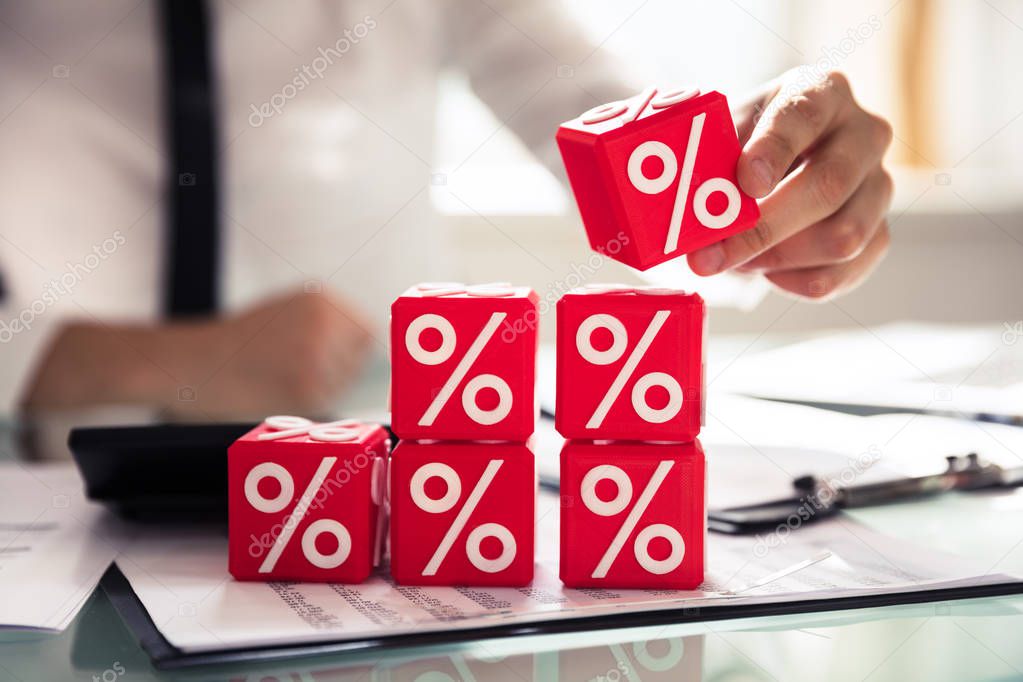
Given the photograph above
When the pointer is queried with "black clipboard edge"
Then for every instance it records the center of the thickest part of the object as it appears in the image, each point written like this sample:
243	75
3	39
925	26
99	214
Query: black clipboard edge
167	657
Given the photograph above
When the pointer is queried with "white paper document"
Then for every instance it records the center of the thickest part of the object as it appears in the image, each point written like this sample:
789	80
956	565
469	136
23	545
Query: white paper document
54	545
182	580
934	368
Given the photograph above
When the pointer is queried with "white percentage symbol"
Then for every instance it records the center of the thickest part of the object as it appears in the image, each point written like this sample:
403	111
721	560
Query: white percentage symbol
275	504
620	339
655	149
629	110
289	427
641	546
331	432
447	502
441	289
669	163
444	352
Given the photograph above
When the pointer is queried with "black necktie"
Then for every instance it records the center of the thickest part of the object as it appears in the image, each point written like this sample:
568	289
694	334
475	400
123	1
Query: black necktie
192	249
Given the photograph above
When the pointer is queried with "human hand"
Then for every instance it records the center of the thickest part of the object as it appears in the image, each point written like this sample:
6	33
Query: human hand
812	156
296	353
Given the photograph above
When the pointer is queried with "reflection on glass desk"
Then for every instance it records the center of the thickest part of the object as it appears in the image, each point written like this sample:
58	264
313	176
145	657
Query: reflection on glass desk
964	640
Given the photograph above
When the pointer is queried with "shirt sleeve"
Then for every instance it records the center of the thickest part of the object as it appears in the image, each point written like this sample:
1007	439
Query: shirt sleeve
531	64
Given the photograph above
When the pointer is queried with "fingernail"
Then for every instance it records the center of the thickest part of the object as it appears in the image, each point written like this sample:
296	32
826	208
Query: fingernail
762	171
708	261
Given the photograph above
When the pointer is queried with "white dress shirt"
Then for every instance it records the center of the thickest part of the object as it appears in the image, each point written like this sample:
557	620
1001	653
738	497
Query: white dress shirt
327	130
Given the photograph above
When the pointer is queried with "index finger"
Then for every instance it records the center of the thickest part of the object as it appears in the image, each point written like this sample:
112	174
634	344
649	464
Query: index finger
792	124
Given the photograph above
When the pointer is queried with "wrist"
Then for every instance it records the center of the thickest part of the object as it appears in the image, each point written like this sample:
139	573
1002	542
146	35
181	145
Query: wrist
172	362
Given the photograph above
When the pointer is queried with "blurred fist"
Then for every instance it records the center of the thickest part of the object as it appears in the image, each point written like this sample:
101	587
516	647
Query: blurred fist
812	156
293	354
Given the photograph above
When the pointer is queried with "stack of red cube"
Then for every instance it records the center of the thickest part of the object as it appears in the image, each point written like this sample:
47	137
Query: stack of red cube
630	401
654	176
463	478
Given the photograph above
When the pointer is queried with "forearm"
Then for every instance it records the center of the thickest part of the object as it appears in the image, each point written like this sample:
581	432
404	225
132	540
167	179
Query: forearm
91	364
296	352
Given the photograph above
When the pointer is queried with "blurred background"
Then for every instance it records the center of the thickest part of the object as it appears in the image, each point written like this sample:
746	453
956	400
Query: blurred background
944	73
416	154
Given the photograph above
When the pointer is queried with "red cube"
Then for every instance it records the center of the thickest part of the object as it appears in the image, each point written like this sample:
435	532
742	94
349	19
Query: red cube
633	515
304	500
463	362
630	364
654	176
462	513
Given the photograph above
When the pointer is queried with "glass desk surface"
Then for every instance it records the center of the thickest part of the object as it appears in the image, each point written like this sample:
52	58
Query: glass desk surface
977	639
962	640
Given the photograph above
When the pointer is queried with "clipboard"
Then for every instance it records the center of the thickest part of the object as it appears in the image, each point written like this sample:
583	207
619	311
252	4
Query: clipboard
165	656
